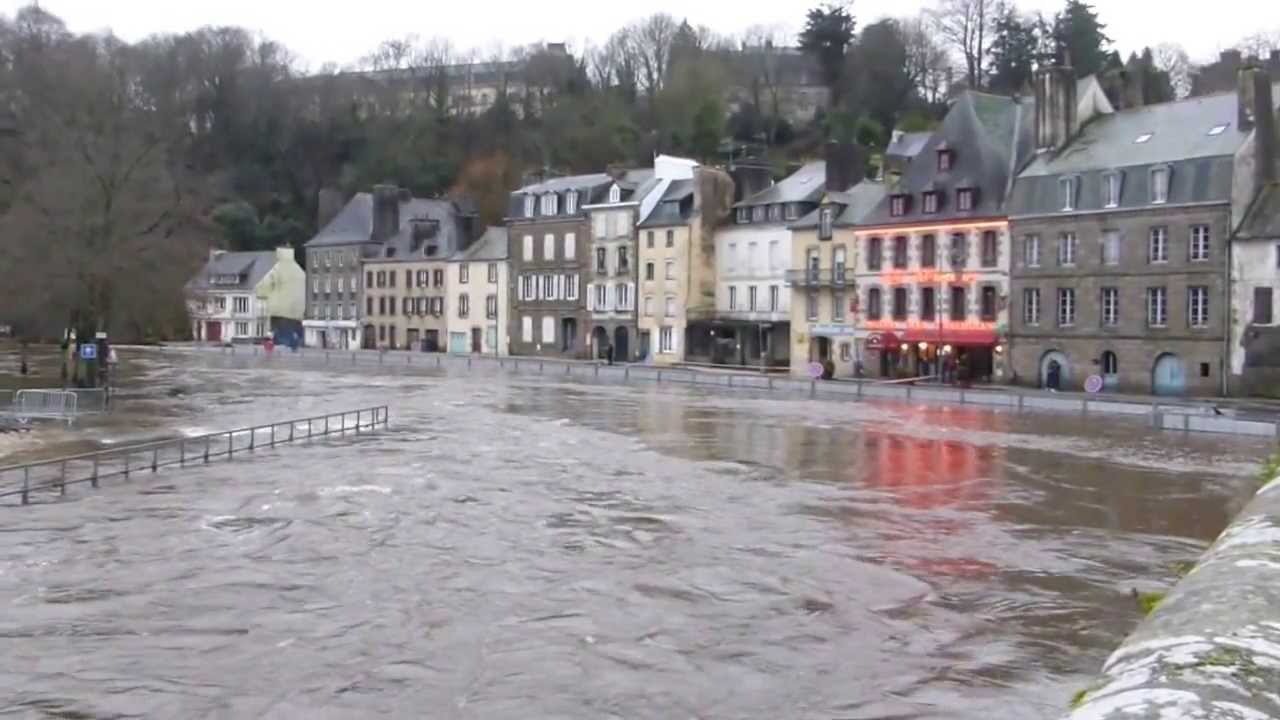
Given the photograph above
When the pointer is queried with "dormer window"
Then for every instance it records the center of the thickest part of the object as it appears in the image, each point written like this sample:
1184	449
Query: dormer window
946	159
775	213
529	205
930	202
550	204
1067	193
1159	185
571	203
615	195
758	213
790	211
964	199
744	215
897	205
826	219
1111	189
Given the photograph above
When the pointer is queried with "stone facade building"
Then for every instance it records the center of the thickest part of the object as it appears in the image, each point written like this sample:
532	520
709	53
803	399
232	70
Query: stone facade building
476	296
611	288
1121	224
549	239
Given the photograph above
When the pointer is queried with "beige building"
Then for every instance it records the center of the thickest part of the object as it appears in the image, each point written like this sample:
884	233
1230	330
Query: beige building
677	269
824	252
404	303
476	285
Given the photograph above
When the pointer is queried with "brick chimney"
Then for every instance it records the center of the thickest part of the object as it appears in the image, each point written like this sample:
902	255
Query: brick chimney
1055	107
386	212
846	165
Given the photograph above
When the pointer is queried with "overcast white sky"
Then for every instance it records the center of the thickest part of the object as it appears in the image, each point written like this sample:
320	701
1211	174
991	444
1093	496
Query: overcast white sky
341	32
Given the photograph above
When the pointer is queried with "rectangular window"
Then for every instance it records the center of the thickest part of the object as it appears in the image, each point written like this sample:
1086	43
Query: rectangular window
391	278
601	298
1031	251
1067	193
408	280
648	271
548	287
898	205
1066	307
491	306
1159	185
648	239
648	305
774	297
493	273
959	304
241	304
928	251
464	305
733	297
548	247
1110	307
342	284
990	249
811	305
1067	249
439	277
570	246
875	252
1158	245
464	274
1157	307
666	340
1198	307
391	305
242	328
624	261
874	302
751	298
571	203
837	306
382	306
382	278
964	199
527	289
550	204
1110	247
368	306
1031	306
548	330
900	252
526	329
528	248
959	250
670	309
671	270
1111	190
988	308
528	205
928	304
1262	313
930	204
826	221
602	263
368	280
899	303
790	211
671	238
571	282
1199	251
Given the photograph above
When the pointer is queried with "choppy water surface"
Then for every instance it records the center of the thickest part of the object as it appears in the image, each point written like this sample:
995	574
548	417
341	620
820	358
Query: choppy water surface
518	548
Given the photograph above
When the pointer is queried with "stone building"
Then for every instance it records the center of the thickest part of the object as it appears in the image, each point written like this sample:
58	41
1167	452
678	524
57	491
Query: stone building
247	296
476	296
932	271
1122	223
549	238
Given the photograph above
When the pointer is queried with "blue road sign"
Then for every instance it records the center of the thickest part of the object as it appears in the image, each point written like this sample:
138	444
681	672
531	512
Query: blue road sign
89	352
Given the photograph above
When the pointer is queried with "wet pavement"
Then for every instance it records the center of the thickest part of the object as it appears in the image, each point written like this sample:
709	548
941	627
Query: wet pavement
514	547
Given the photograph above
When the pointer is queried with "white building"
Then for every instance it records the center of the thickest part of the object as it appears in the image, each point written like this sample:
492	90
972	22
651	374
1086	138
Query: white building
476	296
246	296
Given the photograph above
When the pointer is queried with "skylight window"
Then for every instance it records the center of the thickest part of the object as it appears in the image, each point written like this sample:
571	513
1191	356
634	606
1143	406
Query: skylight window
1143	138
1218	129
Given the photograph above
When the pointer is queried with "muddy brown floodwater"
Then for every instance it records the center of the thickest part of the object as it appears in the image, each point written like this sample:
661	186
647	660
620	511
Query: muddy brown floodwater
514	547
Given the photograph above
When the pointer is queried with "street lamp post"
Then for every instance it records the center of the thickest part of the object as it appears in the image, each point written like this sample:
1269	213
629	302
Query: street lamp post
956	255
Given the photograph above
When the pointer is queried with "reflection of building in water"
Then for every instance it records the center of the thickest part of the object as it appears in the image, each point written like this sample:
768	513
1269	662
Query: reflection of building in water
927	474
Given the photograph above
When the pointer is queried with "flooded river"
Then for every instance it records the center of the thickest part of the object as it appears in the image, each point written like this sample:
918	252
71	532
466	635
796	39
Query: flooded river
514	547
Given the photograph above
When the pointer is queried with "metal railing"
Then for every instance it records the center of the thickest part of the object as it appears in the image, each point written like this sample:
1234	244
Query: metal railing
53	403
55	475
820	277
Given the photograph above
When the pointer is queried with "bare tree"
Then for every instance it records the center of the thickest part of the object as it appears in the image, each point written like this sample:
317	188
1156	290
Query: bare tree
1260	44
1172	58
927	62
653	38
965	25
760	72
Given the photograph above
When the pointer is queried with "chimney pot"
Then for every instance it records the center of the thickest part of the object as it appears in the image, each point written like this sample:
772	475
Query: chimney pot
1055	107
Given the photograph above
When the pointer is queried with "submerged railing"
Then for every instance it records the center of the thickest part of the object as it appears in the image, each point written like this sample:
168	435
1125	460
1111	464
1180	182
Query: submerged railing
55	475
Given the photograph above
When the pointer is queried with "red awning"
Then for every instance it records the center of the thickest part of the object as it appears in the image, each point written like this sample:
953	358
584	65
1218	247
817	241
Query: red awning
885	339
951	336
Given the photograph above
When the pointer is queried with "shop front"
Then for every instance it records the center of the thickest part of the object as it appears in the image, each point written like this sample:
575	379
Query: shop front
954	352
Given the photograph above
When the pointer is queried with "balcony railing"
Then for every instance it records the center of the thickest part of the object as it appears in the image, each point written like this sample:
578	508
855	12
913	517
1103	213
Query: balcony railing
822	277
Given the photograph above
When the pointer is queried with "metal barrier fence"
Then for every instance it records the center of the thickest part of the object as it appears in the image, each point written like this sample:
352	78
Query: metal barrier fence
54	476
54	403
1161	415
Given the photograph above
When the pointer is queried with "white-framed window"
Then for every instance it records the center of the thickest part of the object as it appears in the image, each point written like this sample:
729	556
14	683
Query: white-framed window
548	287
491	306
242	329
527	287
464	273
526	329
1067	193
1158	245
1067	249
241	304
742	216
1031	250
666	340
731	258
601	297
1111	189
548	329
1199	251
898	205
464	305
670	309
648	305
826	221
774	299
571	202
837	306
1031	306
1198	306
1110	363
671	270
964	199
615	195
930	204
493	273
342	284
529	202
1110	247
1157	307
550	204
315	286
752	292
548	247
733	297
571	283
811	306
791	211
570	246
1066	307
622	296
528	248
1110	306
328	258
1159	185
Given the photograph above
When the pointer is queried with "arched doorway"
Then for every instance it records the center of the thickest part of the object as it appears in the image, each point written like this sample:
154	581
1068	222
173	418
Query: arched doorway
1169	376
621	345
599	342
1110	371
1055	370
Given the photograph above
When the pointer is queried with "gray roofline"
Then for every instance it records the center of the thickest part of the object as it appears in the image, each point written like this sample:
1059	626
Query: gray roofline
1117	210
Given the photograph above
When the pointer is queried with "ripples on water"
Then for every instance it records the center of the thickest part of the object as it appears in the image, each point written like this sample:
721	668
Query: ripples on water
517	549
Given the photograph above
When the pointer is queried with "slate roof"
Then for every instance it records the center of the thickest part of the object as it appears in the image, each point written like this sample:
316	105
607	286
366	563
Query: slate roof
908	145
804	185
1201	164
991	137
674	208
594	189
854	205
492	246
251	267
1262	220
353	224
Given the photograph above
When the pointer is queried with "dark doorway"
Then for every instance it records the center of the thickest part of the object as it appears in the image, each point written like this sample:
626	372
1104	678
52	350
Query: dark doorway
432	343
476	342
370	337
568	333
645	344
599	342
824	349
213	331
621	345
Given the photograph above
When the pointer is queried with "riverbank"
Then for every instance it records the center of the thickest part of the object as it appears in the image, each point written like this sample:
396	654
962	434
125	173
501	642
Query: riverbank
1158	413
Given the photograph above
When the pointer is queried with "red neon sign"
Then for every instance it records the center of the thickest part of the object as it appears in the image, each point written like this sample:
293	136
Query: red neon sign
891	325
928	276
